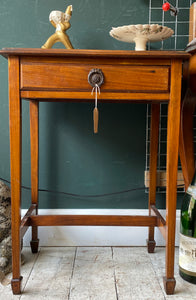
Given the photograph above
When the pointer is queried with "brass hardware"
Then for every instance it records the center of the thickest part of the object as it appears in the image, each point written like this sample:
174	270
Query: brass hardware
96	77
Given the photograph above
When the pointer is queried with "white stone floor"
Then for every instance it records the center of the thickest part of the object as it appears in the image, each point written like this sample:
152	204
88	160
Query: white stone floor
96	273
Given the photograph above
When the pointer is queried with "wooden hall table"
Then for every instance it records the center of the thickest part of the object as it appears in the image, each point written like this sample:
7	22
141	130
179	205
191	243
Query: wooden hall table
62	75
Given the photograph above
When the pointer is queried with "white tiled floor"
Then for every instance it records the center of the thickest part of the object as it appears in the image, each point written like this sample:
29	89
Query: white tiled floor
96	273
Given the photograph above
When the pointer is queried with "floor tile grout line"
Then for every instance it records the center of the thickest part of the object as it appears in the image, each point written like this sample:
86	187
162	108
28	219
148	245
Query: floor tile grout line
156	275
73	266
114	273
28	277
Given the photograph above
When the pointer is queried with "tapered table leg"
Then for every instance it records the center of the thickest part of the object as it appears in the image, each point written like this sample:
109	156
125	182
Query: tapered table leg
154	136
186	146
173	127
15	165
34	135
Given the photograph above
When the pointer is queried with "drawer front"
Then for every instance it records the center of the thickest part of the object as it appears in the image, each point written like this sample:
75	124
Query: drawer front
74	77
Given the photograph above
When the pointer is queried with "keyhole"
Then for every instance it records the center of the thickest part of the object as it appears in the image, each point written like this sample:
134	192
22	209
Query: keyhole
96	78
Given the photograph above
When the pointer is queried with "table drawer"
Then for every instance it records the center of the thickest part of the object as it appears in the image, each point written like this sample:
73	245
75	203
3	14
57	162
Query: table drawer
121	78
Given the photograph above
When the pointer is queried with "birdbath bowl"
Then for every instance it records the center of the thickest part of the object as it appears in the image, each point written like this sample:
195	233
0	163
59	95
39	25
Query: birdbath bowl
141	34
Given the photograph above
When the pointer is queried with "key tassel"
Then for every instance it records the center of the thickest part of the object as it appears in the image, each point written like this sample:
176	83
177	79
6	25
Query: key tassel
95	119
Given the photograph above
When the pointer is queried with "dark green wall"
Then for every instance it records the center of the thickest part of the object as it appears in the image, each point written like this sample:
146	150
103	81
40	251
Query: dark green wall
72	158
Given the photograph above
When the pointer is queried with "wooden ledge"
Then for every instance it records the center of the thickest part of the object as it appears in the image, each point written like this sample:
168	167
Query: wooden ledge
93	53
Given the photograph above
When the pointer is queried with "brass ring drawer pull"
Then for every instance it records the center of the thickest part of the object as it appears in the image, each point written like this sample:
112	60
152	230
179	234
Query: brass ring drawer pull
96	77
